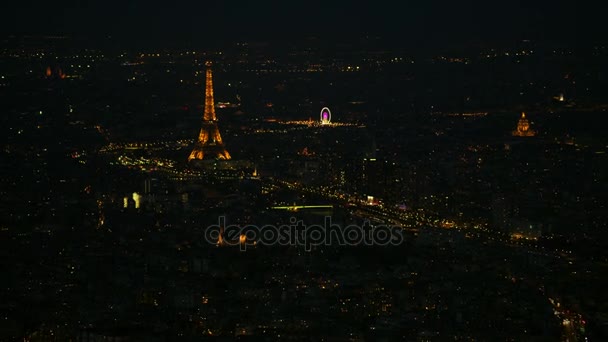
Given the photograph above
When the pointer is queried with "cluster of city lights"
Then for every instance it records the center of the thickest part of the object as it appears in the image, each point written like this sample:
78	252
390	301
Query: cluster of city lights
146	163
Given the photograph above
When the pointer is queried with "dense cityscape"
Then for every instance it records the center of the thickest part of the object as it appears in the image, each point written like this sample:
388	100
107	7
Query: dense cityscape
304	189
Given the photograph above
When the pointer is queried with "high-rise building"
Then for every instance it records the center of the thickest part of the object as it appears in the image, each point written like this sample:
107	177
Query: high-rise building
209	145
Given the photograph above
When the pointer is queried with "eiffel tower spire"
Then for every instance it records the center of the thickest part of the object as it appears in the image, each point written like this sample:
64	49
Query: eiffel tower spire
209	114
209	145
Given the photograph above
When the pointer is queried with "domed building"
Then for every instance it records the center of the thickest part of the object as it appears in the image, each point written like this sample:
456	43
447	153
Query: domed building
523	128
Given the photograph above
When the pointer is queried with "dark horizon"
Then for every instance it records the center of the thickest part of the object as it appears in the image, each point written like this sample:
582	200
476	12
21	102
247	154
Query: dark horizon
404	24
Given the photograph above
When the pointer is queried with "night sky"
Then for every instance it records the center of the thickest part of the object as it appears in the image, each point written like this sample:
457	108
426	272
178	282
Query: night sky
403	21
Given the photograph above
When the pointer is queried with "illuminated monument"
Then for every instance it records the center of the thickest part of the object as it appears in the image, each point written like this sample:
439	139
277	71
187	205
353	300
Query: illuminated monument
325	116
209	145
523	128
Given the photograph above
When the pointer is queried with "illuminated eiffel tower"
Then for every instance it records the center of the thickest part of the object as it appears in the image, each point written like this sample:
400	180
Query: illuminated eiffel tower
209	145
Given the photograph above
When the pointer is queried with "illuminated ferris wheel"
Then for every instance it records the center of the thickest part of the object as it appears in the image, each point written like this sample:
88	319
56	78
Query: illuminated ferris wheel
325	116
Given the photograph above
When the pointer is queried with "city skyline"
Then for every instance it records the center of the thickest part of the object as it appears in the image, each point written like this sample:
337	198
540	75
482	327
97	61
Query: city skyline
303	171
